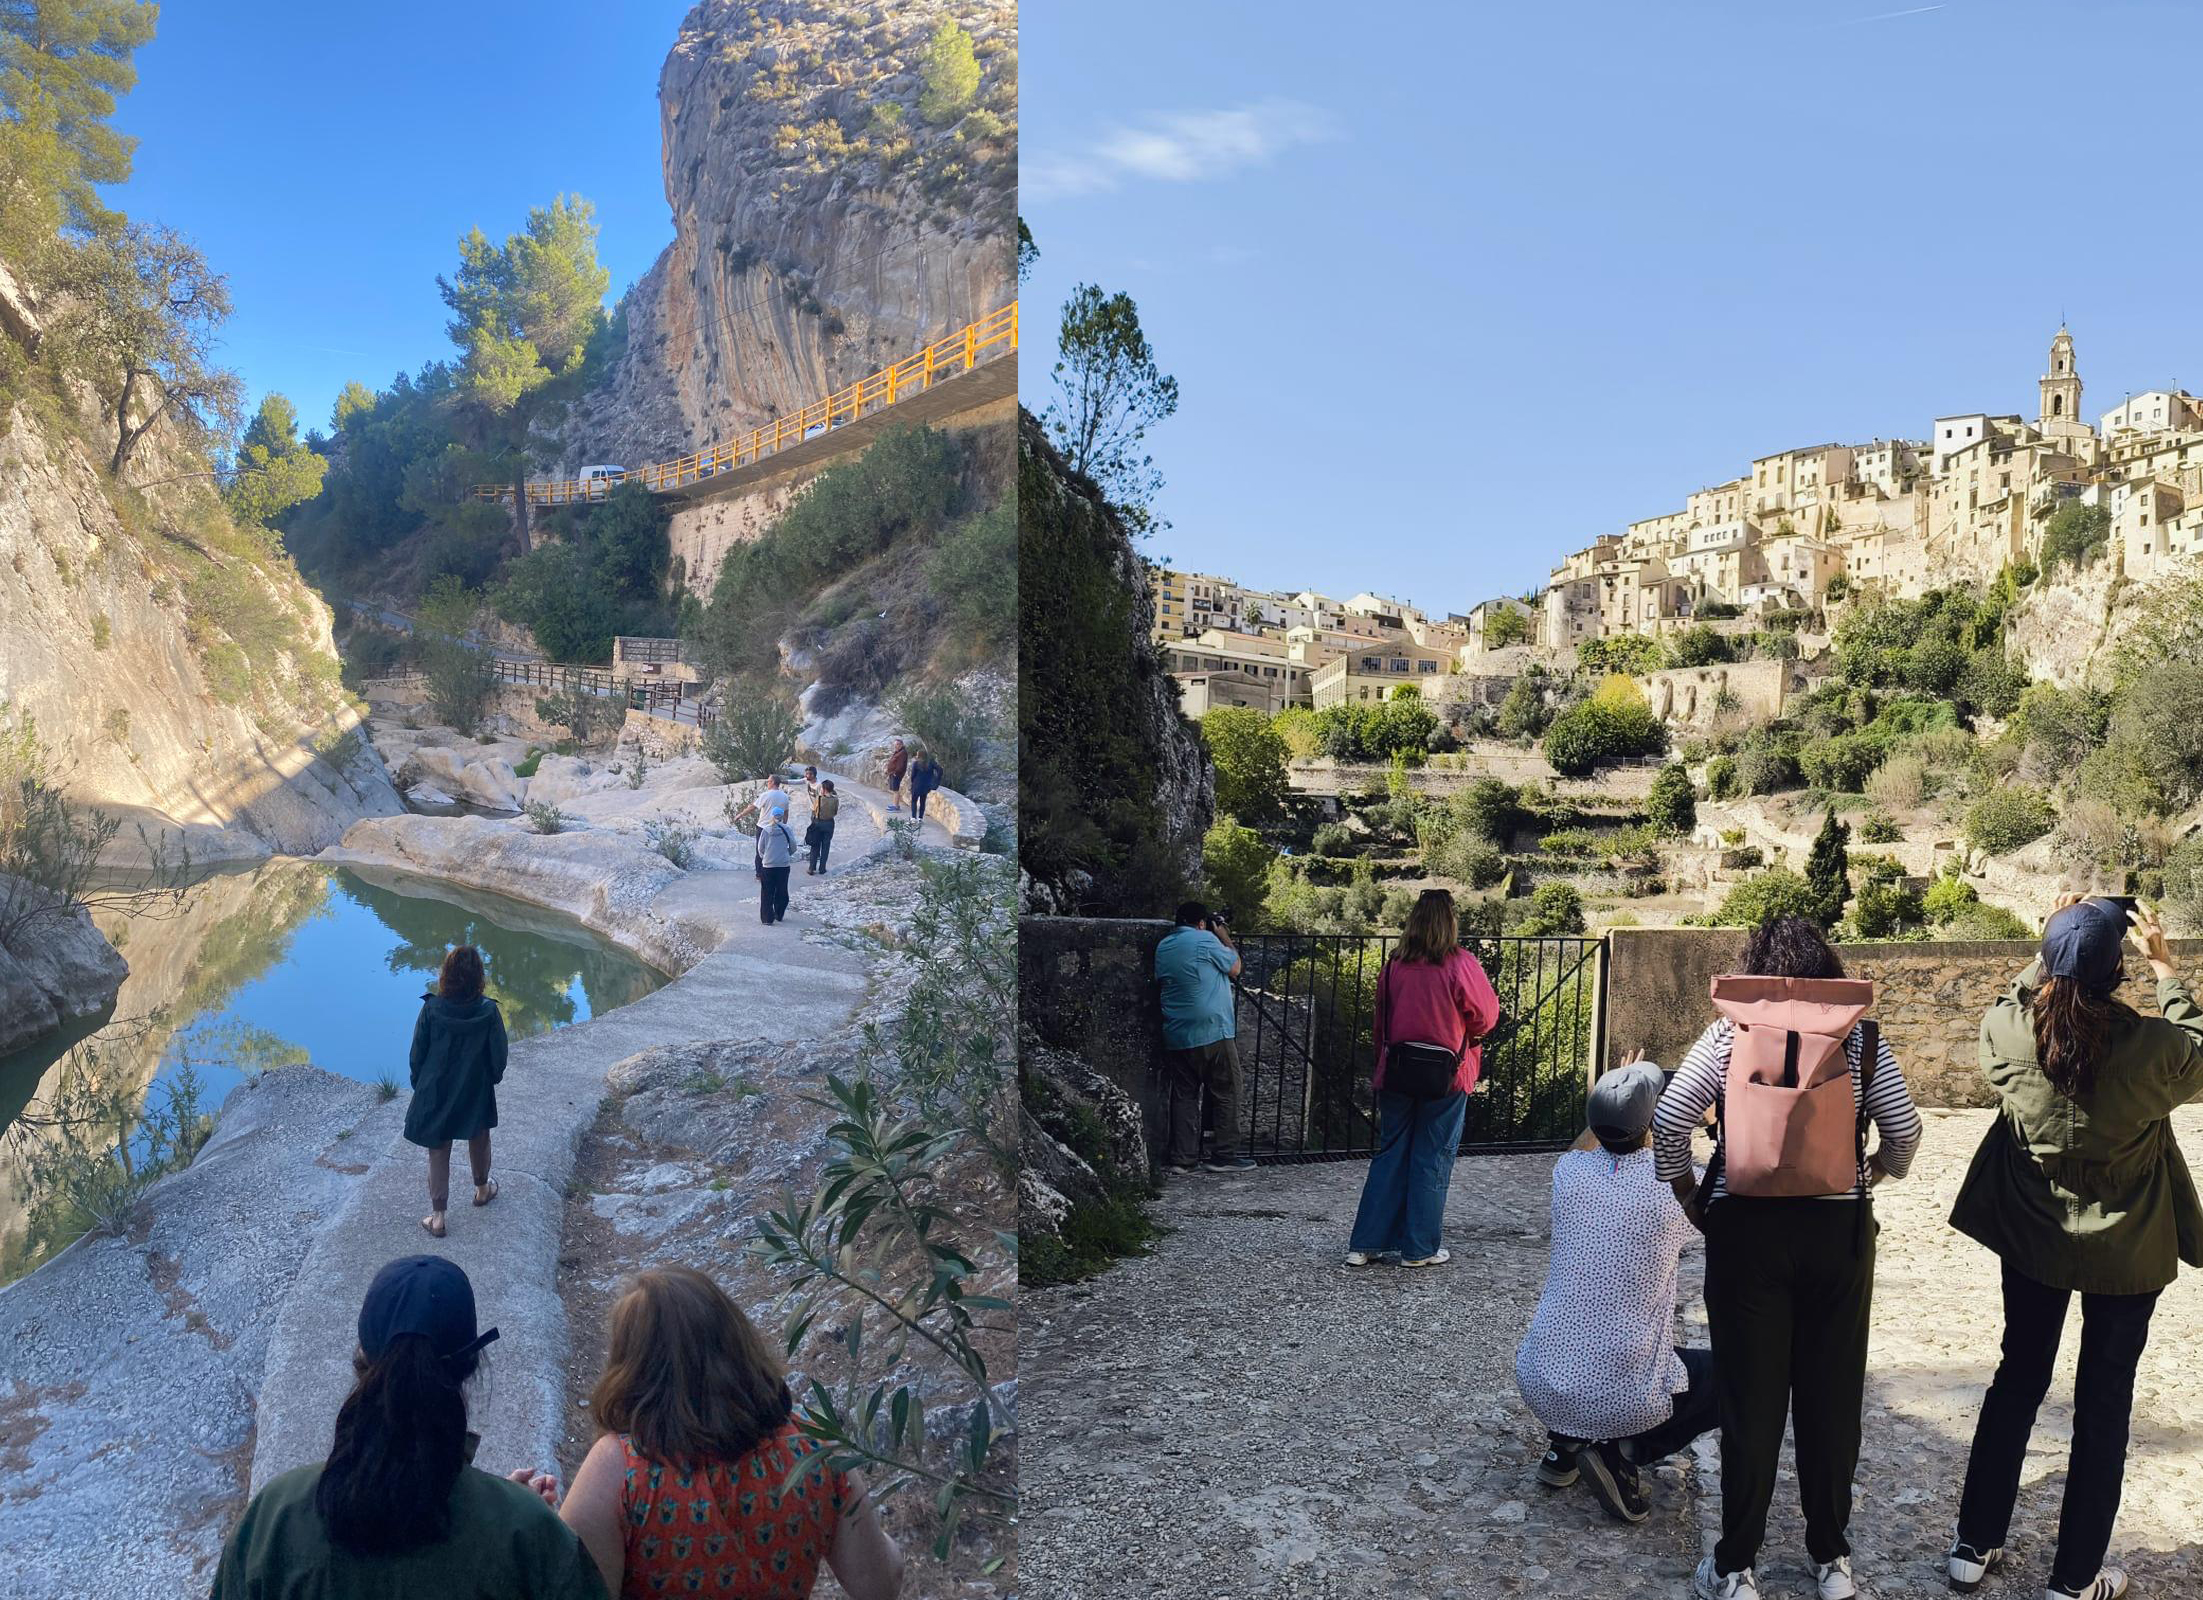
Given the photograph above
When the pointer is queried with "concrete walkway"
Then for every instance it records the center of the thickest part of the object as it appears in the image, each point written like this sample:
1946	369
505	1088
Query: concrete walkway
1239	1415
759	982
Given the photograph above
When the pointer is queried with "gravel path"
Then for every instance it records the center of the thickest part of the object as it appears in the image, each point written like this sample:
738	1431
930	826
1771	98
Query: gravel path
1238	1415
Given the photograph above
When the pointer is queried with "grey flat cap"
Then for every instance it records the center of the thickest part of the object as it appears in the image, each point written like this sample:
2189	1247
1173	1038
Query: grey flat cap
1622	1102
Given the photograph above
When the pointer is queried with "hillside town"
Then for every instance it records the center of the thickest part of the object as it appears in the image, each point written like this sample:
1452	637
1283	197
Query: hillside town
1801	530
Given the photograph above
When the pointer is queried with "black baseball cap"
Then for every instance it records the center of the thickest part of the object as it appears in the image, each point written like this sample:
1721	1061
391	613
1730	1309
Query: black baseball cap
2085	942
425	1295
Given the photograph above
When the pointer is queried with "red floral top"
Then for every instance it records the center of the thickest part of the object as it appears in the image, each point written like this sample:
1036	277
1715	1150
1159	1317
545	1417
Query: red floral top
735	1528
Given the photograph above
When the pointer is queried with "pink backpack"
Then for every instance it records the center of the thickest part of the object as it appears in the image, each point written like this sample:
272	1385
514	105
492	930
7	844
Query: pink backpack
1790	1124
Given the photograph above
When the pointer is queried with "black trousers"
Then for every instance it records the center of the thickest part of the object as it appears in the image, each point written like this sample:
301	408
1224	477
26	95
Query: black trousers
822	842
2114	1329
1204	1097
772	893
1789	1291
1697	1410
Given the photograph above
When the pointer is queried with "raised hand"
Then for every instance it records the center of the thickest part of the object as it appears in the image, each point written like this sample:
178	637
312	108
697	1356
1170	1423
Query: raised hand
2147	934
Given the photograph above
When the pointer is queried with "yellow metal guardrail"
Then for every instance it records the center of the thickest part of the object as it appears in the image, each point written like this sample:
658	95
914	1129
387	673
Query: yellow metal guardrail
992	335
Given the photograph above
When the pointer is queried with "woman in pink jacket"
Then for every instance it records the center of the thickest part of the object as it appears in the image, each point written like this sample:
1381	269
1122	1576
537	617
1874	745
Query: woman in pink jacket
1434	1006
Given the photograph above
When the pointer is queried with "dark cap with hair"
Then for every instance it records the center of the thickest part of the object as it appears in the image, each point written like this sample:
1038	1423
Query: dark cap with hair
2085	943
425	1295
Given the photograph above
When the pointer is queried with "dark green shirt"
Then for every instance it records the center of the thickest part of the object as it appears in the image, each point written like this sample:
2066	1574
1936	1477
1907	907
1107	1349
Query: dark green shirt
458	1059
505	1544
2091	1193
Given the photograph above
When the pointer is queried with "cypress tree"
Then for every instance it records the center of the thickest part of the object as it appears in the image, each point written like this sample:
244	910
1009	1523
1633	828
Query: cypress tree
1828	871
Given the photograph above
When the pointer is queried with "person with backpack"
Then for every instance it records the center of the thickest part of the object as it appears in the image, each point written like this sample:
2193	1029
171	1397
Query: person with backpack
2079	1187
1433	1008
818	837
1599	1366
776	852
1795	1073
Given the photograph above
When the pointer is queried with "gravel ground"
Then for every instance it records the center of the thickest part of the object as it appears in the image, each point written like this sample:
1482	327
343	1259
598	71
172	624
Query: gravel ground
1238	1415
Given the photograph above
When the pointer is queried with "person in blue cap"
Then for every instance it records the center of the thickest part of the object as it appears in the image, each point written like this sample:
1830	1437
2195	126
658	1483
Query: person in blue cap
2080	1188
398	1511
1599	1366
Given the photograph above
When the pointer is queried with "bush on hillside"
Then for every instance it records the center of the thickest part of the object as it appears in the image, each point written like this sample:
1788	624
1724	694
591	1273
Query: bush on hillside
951	724
1237	864
1672	806
1842	763
1555	908
1467	859
1249	756
1776	892
754	734
1332	839
2008	817
2075	535
1614	722
1722	780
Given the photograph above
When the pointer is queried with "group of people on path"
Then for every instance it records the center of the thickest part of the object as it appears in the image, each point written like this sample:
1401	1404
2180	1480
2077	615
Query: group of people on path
700	1481
2078	1187
776	840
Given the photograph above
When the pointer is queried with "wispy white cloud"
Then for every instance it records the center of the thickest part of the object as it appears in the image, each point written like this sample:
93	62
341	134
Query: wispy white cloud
1884	16
1177	147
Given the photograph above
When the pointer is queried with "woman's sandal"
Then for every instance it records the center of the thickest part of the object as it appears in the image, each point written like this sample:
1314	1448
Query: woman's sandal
485	1193
432	1227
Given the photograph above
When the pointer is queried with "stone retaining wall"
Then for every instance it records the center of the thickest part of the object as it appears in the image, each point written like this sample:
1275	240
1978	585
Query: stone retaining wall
1929	997
1085	985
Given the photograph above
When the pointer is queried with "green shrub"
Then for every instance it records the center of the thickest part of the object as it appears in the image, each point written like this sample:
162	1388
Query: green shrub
1947	897
1672	806
2008	817
952	725
546	817
2075	535
1763	768
1555	908
1468	860
1776	892
1722	780
1332	839
1237	863
1842	763
1875	828
676	843
1249	756
529	765
1885	907
754	735
1983	921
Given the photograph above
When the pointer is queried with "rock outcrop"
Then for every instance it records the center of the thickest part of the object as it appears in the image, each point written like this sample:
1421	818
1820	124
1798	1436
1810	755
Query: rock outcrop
825	226
55	968
1116	789
180	673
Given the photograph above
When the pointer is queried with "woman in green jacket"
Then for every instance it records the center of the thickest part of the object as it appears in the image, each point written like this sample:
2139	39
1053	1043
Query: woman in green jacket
458	1060
2080	1187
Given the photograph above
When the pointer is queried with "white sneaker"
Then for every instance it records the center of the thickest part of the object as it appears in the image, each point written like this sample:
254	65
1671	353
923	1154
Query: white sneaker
2108	1584
1359	1258
1440	1259
1834	1578
1734	1586
1968	1566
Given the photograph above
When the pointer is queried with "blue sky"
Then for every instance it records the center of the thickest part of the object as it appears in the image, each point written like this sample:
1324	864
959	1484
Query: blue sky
329	157
1450	289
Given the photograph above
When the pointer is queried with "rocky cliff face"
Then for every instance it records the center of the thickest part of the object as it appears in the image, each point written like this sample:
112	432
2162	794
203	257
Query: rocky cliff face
1115	787
825	226
176	667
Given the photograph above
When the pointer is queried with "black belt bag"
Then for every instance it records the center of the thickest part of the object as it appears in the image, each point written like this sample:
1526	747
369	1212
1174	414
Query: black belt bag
1422	1071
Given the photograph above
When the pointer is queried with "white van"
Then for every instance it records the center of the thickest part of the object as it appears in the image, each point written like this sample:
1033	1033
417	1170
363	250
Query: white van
596	482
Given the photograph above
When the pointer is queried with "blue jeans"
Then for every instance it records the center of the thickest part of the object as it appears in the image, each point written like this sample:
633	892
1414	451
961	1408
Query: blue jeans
1404	1196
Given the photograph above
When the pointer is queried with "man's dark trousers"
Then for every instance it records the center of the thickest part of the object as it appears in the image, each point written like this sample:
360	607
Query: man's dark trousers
1207	1069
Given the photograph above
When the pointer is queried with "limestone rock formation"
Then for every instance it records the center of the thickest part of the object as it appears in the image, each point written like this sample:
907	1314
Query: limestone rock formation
1116	789
55	969
824	225
114	644
1082	1141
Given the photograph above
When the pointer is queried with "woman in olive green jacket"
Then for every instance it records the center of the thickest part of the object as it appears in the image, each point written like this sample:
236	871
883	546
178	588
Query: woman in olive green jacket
2080	1187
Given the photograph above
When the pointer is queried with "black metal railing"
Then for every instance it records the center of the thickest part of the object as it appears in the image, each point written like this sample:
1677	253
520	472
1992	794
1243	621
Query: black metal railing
1307	1053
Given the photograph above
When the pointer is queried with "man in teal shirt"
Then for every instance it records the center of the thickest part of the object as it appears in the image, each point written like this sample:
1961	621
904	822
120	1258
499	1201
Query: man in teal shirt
1195	965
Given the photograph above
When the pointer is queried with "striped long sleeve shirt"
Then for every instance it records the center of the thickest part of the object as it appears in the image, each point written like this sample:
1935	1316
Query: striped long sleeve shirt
1697	1088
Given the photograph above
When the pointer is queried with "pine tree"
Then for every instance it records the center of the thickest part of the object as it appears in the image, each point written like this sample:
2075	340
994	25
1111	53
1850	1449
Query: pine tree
1828	871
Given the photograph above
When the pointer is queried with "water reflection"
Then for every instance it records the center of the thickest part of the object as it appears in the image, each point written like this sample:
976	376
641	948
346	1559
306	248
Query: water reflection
254	971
